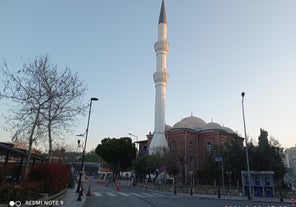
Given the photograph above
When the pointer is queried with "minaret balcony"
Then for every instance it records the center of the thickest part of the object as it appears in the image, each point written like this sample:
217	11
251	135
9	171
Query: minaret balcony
161	46
160	77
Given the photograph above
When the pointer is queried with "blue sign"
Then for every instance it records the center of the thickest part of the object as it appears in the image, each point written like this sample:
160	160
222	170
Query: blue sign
218	159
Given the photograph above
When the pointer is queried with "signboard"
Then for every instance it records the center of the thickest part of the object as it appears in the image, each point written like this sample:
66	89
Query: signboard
218	159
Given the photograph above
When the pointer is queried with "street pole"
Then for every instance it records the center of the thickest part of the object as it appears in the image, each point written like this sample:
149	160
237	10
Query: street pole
246	142
137	138
84	148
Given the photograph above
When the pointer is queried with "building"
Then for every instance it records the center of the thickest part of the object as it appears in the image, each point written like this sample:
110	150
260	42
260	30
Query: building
192	138
290	161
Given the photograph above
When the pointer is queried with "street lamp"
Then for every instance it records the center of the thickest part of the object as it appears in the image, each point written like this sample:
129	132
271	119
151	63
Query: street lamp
246	141
84	147
136	138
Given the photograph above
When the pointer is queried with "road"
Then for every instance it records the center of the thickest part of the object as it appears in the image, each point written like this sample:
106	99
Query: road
102	196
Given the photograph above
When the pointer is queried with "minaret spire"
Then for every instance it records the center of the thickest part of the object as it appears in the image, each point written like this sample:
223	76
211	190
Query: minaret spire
162	16
160	78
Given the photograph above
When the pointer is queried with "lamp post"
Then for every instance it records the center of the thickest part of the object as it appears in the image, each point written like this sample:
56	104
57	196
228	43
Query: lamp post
246	142
136	138
84	147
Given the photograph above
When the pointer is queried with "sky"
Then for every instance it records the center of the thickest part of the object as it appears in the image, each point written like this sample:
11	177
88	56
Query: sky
218	49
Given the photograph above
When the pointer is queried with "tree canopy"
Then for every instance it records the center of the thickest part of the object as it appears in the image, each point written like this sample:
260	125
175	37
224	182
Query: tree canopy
156	163
265	156
117	152
268	155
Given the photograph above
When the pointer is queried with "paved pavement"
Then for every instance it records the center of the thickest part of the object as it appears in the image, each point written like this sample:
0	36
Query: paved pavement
70	198
238	198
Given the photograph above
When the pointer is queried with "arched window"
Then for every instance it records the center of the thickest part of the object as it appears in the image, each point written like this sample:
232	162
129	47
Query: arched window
173	146
190	146
209	147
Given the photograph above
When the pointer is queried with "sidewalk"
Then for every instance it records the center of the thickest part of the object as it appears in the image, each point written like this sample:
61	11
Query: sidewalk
70	198
244	198
272	200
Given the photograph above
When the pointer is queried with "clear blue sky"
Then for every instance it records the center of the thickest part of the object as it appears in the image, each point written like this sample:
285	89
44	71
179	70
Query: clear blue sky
218	48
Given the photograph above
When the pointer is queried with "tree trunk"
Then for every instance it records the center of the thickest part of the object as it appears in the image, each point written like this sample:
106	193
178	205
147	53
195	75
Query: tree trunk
31	143
50	141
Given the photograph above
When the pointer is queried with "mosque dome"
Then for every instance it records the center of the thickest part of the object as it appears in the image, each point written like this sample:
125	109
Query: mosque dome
212	126
228	129
215	126
198	124
167	127
191	122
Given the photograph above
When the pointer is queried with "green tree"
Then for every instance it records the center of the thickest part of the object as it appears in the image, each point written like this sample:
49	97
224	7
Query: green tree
268	155
91	156
234	160
156	163
118	153
210	169
141	166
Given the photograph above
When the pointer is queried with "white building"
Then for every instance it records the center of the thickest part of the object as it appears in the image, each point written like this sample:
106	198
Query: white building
290	161
290	158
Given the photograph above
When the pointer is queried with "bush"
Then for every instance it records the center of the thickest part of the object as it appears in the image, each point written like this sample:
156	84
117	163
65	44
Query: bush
53	178
43	178
22	192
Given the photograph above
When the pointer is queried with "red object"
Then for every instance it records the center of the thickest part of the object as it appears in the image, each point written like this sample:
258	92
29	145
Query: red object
118	186
88	191
293	202
106	184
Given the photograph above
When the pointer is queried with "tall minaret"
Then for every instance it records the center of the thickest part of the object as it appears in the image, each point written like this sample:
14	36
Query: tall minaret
160	78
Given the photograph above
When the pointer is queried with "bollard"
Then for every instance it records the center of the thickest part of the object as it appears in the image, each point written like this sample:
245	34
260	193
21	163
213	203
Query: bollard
293	202
88	191
175	189
118	186
281	197
219	193
80	193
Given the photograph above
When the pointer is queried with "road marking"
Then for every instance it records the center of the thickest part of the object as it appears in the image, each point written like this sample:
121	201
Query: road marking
111	194
124	194
128	194
158	194
148	195
138	195
97	194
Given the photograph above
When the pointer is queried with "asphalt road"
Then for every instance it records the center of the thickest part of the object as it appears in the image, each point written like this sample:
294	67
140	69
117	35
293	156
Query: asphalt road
102	196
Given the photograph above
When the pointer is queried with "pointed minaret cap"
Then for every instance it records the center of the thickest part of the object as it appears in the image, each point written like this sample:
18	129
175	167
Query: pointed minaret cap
162	16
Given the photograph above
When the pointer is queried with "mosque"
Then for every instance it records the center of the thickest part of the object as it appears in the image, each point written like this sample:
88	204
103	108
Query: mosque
191	138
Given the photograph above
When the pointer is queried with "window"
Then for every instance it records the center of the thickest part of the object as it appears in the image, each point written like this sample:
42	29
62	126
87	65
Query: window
257	180
267	181
209	147
190	146
173	146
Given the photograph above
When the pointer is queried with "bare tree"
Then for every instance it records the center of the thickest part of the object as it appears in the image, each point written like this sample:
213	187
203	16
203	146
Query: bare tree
43	100
65	92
